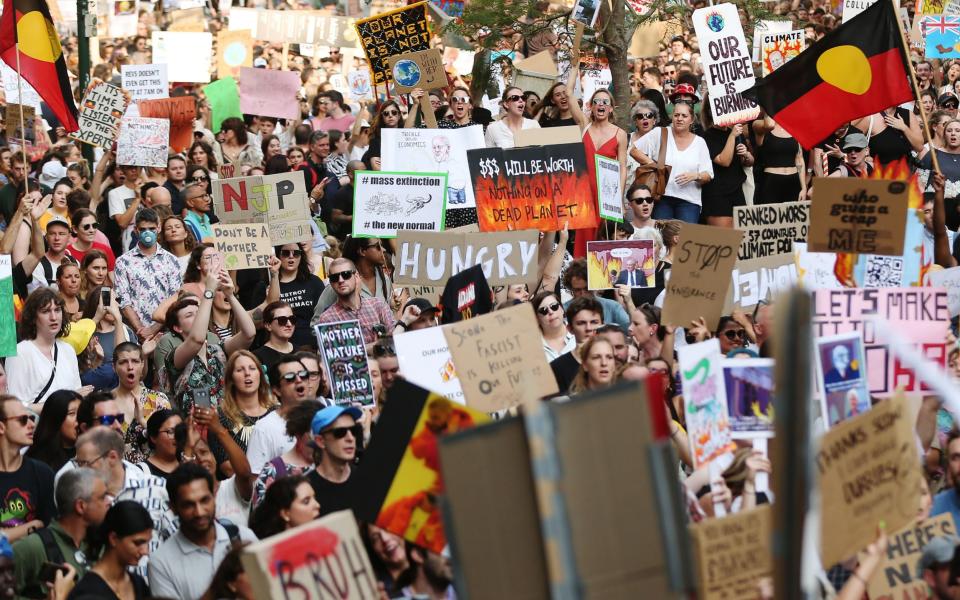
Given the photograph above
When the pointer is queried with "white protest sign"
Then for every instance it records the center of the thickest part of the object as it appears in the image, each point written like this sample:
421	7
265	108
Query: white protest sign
387	201
12	88
359	85
187	54
425	360
99	118
143	142
777	48
767	27
852	8
726	63
949	279
609	190
145	82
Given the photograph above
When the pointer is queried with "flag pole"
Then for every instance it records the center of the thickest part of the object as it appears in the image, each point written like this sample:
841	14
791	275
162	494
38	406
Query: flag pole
916	91
23	131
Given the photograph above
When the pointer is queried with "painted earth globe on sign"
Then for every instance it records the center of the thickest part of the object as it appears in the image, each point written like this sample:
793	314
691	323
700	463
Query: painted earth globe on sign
406	73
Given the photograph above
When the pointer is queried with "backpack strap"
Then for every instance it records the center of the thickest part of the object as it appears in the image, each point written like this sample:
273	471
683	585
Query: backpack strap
50	547
232	530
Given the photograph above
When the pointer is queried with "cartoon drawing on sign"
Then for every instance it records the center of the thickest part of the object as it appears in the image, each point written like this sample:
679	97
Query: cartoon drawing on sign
406	73
387	201
384	204
843	380
417	202
435	150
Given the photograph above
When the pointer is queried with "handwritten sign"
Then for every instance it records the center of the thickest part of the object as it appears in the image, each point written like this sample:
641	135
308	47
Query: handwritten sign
948	279
609	189
727	67
542	187
187	54
145	82
869	472
143	142
234	50
422	69
102	108
345	360
700	276
430	258
779	47
385	202
771	229
359	84
280	200
858	216
391	33
896	575
21	124
499	358
733	554
179	111
760	279
243	246
269	93
311	560
917	314
704	395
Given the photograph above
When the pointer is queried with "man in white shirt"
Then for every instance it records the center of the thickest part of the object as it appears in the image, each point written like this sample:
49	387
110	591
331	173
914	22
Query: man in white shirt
289	379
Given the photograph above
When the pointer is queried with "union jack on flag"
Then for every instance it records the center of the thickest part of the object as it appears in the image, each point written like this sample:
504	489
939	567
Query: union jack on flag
941	34
940	24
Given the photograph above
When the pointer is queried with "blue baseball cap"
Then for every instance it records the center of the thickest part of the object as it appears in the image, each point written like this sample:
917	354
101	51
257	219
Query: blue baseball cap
326	416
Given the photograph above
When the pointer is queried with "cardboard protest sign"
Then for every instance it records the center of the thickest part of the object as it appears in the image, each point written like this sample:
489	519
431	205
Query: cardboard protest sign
917	314
499	358
949	280
542	187
858	216
279	200
733	553
763	27
852	8
223	95
391	33
269	93
345	361
896	575
145	82
585	11
548	136
749	388
385	202
435	151
187	19
727	66
243	246
143	142
100	111
609	189
760	279
704	395
425	360
537	73
187	54
431	258
8	324
423	69
778	48
869	472
17	114
180	112
841	377
771	229
620	262
234	50
312	559
700	275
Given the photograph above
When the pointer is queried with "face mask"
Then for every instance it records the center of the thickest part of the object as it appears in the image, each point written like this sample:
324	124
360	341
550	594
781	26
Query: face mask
148	238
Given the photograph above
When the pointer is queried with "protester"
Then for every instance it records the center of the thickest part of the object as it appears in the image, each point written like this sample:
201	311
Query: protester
299	289
337	432
289	381
26	484
56	431
289	502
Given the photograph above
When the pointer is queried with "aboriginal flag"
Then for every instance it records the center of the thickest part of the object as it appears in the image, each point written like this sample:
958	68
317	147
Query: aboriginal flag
41	58
857	70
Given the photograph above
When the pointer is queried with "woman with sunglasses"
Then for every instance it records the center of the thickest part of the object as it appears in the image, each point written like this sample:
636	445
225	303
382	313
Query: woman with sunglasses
299	288
557	339
199	175
644	116
461	110
600	138
84	223
500	133
597	367
121	541
56	432
201	155
161	440
176	239
280	322
730	334
388	117
730	154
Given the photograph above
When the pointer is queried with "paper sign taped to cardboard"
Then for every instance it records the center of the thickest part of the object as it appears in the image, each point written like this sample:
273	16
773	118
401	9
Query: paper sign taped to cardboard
179	111
733	553
430	258
144	142
145	82
858	216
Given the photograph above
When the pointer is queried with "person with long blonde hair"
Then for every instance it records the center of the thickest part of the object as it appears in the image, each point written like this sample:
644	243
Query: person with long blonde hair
246	399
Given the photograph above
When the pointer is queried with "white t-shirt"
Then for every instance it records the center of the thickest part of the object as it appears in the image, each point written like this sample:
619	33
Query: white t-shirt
268	440
695	159
230	505
499	134
118	201
29	371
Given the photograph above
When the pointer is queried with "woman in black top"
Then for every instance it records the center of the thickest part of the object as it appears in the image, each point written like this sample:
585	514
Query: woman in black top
124	537
56	432
388	117
892	134
558	107
729	152
783	176
163	445
299	288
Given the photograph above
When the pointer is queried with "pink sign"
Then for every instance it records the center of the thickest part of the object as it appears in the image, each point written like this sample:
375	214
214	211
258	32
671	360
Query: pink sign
269	93
919	315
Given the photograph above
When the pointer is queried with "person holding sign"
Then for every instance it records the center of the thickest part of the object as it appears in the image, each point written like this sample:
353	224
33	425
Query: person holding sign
500	134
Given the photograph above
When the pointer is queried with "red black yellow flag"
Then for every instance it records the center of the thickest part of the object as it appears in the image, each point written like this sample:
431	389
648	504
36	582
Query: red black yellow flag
41	58
858	69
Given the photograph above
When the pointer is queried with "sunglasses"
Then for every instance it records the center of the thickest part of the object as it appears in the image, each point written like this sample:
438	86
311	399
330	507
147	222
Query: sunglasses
601	101
735	334
546	310
853	150
643	116
391	113
294	375
950	106
88	226
23	419
341	432
342	276
285	320
379	351
456	100
645	200
514	98
199	179
291	253
111	419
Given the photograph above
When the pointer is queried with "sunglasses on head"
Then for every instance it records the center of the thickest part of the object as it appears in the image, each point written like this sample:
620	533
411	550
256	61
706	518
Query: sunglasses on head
549	308
291	253
514	98
111	419
341	432
644	200
285	320
342	276
294	375
643	116
735	334
23	419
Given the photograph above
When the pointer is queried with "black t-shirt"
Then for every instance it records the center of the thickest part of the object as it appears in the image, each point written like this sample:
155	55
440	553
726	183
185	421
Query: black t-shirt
302	296
546	121
332	496
268	356
343	201
725	179
466	294
93	586
564	369
27	494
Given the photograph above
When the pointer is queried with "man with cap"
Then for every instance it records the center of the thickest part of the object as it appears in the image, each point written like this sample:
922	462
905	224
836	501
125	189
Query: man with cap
426	315
336	433
934	567
855	148
947	102
58	238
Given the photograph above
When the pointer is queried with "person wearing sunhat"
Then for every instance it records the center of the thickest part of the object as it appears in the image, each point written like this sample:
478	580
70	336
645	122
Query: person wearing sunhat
935	567
337	433
684	93
855	151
